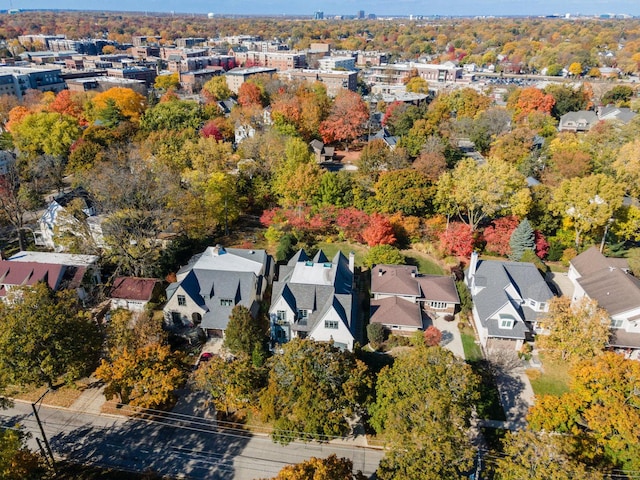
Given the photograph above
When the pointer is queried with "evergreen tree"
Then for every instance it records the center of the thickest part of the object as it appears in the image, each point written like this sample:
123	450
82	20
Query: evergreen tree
243	334
522	239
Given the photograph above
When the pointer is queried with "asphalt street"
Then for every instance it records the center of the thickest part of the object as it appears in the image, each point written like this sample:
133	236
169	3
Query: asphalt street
176	445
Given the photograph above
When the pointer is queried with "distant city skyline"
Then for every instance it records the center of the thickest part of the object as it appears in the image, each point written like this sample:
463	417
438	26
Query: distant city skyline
351	7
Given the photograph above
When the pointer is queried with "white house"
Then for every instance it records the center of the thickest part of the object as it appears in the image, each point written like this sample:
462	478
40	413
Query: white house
608	282
133	293
315	298
54	221
507	298
214	282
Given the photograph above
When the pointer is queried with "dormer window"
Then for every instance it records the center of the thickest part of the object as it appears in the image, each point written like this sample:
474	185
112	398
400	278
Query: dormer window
506	321
303	315
226	302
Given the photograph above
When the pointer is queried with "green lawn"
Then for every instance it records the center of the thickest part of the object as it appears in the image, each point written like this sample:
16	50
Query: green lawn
331	248
472	351
424	265
554	380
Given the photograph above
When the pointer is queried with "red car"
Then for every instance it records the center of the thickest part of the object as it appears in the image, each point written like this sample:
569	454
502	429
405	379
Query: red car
206	356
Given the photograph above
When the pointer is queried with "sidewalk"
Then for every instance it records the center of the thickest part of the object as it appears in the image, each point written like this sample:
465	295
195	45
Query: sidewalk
91	399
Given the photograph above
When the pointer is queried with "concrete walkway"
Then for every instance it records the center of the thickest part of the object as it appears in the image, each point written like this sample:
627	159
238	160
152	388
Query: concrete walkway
91	399
516	396
451	339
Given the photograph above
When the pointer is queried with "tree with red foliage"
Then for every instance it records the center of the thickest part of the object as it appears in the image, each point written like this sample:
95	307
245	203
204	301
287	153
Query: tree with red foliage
69	104
268	216
457	240
347	118
379	231
497	235
432	336
542	246
352	223
249	94
211	130
390	111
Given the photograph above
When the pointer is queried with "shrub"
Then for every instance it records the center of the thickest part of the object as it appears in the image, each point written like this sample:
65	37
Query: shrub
376	334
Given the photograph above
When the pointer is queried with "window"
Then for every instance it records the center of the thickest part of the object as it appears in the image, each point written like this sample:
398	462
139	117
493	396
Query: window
281	317
331	324
226	302
182	300
303	315
506	321
438	305
616	323
542	306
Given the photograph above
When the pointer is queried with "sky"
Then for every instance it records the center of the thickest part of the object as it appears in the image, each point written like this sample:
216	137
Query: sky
349	7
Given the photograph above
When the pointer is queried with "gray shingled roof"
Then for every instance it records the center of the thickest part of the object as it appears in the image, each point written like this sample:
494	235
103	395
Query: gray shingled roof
317	297
496	277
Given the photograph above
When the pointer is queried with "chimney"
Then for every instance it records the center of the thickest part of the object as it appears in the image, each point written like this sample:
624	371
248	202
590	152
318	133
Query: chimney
352	261
473	263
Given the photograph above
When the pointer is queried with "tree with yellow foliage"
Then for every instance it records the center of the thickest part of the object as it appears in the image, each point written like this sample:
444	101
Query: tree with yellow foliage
130	103
330	468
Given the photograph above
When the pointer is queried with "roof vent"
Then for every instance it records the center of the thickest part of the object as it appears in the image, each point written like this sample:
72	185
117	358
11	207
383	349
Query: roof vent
380	272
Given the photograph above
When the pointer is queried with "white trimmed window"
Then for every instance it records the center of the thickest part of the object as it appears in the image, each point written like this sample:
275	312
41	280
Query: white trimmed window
616	323
182	300
331	324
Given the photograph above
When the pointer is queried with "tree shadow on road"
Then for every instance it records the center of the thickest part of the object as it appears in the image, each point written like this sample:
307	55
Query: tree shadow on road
165	445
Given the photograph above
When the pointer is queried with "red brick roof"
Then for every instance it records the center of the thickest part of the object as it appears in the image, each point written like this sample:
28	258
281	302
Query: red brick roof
133	288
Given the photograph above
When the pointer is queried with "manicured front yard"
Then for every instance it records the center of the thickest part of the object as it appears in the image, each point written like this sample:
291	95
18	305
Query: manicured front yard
472	352
553	380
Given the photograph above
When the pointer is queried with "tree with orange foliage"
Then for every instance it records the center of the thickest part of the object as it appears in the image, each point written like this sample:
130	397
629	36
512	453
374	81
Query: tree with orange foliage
347	118
379	231
528	100
69	104
249	94
131	104
16	115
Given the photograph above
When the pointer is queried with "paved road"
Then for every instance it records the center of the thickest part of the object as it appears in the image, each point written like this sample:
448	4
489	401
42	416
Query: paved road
183	446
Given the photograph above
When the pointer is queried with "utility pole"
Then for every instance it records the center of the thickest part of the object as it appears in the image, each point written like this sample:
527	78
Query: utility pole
44	436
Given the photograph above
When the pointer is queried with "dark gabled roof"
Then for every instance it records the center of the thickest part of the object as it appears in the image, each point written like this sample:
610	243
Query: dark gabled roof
438	288
396	311
64	199
613	289
591	261
133	288
395	279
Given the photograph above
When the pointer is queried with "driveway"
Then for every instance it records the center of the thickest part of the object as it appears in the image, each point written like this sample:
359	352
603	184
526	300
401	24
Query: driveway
451	339
562	283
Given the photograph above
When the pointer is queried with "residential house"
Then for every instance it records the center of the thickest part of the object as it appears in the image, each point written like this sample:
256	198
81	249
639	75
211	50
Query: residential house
611	112
508	298
315	298
383	134
57	220
58	270
215	281
133	293
608	282
580	121
322	152
401	295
